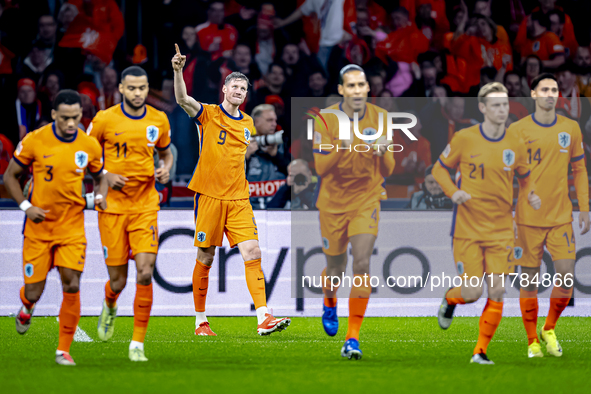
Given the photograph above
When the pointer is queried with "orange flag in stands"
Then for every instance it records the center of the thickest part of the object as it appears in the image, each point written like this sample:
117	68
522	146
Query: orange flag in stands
82	33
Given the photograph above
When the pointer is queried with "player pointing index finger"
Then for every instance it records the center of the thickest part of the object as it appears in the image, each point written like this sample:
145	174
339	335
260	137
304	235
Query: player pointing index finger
221	193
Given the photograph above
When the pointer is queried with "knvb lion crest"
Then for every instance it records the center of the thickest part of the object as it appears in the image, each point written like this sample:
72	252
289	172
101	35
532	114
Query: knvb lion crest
564	139
152	133
81	159
508	157
517	252
247	135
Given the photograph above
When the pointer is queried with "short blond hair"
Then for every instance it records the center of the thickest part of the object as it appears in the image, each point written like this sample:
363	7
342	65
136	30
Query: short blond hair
259	109
493	87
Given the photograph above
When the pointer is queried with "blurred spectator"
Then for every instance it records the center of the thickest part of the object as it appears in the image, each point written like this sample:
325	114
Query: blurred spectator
570	100
365	31
583	62
47	31
533	67
266	165
387	101
524	35
441	118
215	36
518	105
109	92
483	7
298	191
405	43
476	42
331	16
244	20
28	109
265	43
432	196
541	42
317	84
274	83
36	62
414	158
297	70
376	84
89	97
556	19
51	83
6	150
66	15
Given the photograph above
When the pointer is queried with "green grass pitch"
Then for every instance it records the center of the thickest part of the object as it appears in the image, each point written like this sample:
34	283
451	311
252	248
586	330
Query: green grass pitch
400	355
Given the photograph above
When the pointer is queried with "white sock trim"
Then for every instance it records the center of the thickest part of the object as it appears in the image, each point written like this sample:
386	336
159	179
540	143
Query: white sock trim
200	318
261	312
136	345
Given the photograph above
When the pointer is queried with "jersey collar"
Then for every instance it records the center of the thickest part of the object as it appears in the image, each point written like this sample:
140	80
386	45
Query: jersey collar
492	139
63	139
134	117
239	117
362	116
533	117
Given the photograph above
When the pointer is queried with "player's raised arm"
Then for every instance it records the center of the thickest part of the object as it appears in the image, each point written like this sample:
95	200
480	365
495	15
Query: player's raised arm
11	175
191	106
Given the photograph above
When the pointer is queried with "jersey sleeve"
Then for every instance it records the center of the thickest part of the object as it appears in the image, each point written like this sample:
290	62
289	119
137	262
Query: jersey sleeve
164	140
451	155
554	45
24	153
323	136
96	164
522	168
204	114
97	127
578	150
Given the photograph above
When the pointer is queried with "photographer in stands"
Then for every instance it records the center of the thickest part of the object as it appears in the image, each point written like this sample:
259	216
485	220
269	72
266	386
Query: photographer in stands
266	158
431	197
298	192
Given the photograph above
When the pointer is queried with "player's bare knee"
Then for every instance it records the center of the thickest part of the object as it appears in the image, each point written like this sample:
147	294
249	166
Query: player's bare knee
33	295
360	266
144	278
471	294
252	253
118	284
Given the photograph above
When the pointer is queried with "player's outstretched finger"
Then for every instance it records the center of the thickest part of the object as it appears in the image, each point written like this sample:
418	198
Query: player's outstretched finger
178	51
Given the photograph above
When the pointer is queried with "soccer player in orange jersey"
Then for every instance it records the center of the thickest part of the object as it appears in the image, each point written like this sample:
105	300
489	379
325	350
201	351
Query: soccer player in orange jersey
129	132
349	201
553	142
221	193
54	235
482	228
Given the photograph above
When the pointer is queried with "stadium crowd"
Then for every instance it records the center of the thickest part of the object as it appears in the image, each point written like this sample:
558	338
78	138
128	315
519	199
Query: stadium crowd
426	56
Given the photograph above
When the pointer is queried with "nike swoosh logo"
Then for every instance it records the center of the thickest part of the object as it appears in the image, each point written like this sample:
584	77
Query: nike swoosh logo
260	278
80	262
223	125
203	289
372	226
116	134
529	310
152	245
46	156
571	251
530	142
473	156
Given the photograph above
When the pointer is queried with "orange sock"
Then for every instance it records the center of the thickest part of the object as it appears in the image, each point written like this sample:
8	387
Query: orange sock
528	301
558	301
255	280
69	318
142	306
454	296
489	321
358	300
200	285
26	303
110	295
330	299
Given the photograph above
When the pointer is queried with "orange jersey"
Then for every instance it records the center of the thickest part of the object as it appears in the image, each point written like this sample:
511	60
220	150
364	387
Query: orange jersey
356	177
128	144
487	168
550	150
546	46
223	140
58	172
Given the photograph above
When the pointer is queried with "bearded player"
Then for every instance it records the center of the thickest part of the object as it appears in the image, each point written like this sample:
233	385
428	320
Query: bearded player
349	201
129	132
488	157
59	155
553	143
222	203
